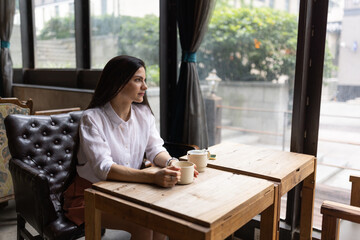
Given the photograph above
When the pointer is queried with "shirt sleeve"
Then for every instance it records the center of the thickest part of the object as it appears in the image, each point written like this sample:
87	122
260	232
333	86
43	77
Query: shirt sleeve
155	142
95	148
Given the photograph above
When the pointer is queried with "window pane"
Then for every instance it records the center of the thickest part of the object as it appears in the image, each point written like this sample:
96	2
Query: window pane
252	48
339	133
15	40
122	27
55	36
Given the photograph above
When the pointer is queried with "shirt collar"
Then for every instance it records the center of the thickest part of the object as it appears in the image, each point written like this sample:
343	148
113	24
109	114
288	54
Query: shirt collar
114	118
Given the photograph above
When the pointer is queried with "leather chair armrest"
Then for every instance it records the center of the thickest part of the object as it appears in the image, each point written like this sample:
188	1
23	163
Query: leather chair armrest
32	194
179	149
146	164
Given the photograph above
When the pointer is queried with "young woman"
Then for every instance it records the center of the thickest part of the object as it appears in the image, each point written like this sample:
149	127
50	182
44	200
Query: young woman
115	131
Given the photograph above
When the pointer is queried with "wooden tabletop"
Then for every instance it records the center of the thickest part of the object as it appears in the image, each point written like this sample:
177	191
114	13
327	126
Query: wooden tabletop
211	199
286	168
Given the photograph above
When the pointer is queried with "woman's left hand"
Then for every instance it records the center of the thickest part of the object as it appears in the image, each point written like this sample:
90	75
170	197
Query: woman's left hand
167	177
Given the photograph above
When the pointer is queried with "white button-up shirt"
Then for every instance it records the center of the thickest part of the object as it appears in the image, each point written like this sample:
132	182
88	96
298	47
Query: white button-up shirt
106	139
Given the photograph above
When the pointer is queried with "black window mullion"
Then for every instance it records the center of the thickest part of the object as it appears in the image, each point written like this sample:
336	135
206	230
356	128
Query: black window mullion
27	26
307	91
82	34
168	63
299	105
315	76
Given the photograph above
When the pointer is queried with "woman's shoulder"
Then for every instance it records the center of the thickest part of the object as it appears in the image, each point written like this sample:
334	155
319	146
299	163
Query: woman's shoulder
92	115
141	108
92	112
143	113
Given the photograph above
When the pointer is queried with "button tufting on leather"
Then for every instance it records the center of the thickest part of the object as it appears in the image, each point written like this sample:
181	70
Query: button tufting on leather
40	142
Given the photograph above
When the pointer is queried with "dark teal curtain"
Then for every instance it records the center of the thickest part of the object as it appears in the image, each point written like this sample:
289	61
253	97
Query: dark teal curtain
189	118
7	11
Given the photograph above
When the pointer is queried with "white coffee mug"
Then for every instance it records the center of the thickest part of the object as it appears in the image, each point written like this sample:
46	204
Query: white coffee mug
199	158
187	172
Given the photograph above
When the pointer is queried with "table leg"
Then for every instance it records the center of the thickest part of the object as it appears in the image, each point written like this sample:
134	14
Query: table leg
269	224
92	217
307	206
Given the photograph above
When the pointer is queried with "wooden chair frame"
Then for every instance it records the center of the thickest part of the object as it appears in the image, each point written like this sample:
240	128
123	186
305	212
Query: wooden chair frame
333	212
24	104
57	111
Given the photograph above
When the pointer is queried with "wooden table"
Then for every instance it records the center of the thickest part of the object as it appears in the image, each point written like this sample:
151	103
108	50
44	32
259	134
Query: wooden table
286	169
214	206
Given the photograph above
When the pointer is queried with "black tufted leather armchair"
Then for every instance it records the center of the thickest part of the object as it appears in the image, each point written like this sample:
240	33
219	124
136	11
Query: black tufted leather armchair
42	166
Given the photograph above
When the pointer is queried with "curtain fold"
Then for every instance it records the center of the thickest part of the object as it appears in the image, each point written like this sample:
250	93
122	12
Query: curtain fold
7	12
189	118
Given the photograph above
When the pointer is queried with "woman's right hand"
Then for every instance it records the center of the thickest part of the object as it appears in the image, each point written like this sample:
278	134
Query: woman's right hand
167	177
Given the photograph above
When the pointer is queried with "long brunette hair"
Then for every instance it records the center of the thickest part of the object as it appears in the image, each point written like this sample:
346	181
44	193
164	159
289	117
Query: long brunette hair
115	75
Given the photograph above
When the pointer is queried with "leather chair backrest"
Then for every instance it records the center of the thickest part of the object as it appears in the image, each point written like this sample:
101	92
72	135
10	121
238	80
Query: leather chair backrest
47	144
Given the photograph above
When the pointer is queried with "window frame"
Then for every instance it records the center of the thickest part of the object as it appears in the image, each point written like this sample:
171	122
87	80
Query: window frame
308	75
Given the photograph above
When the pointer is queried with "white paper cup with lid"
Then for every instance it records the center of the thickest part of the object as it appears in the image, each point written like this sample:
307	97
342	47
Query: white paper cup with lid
199	158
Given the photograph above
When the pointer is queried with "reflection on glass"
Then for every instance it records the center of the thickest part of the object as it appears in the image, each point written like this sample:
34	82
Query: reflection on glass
124	27
252	47
55	36
339	133
15	40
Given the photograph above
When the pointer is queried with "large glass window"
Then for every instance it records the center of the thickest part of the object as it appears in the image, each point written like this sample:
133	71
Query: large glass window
252	47
125	28
55	35
339	132
15	40
128	27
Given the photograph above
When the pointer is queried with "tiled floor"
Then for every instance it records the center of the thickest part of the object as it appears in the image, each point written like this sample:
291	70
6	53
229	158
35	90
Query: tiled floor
8	226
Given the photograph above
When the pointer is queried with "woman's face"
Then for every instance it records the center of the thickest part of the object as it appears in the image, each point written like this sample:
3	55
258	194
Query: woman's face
134	90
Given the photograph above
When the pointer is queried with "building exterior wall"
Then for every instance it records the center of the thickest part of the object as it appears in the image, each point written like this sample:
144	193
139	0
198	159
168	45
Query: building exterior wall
349	59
